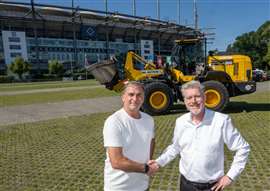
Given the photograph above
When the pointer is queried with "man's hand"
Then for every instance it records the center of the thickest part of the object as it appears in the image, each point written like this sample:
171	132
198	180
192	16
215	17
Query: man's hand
153	167
223	182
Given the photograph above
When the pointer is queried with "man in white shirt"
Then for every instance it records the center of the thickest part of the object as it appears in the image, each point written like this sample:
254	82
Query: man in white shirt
199	138
129	140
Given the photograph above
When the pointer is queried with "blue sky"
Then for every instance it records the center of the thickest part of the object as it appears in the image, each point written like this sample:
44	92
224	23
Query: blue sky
226	18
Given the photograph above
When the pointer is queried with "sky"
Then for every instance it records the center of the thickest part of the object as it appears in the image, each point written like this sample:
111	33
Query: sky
227	19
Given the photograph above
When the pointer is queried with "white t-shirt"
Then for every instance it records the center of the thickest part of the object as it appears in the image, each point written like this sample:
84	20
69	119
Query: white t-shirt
134	136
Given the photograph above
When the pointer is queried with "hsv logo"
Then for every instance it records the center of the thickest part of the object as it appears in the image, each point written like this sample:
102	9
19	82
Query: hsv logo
90	31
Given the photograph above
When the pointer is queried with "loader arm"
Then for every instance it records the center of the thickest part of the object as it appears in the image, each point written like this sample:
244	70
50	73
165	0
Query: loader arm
133	73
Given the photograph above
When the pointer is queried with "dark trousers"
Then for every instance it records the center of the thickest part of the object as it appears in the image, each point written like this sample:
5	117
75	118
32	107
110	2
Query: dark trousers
186	185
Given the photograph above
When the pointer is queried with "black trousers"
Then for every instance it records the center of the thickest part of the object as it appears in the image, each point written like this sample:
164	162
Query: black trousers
186	185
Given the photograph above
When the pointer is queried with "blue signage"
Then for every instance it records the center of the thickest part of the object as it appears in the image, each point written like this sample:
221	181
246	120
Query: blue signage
88	32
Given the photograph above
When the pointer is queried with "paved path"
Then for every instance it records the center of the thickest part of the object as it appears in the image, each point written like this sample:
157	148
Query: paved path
48	90
46	111
39	112
263	86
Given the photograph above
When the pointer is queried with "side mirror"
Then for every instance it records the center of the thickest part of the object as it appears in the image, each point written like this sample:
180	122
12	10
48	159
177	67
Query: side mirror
211	53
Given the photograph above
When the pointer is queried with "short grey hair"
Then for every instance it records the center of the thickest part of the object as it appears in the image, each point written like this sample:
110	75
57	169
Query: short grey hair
192	85
133	83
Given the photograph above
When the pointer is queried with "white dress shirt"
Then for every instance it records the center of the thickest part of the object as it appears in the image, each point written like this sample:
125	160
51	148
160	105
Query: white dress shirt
201	147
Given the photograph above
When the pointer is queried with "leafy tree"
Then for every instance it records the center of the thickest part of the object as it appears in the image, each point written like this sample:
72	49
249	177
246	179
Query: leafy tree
19	66
56	67
254	44
266	58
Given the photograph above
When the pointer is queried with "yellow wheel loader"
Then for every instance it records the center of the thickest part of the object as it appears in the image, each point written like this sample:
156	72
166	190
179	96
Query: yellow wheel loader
223	76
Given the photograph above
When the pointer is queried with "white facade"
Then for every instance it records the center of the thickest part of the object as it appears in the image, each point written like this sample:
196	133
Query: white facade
14	44
147	50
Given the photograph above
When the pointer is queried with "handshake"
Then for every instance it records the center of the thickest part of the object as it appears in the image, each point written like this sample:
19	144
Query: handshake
153	167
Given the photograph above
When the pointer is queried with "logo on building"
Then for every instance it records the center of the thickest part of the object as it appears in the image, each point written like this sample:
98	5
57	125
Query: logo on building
90	31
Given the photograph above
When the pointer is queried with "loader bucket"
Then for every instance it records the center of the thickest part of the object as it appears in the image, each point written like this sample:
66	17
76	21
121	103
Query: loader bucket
103	71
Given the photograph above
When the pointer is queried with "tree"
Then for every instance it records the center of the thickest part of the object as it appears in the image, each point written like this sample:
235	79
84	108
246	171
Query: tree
56	67
266	58
255	44
19	66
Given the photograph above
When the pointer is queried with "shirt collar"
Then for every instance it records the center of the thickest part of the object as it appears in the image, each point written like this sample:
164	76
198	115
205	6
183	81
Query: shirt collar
207	118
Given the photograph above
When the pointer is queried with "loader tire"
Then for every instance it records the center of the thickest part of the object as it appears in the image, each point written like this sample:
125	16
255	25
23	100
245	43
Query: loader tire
158	98
217	96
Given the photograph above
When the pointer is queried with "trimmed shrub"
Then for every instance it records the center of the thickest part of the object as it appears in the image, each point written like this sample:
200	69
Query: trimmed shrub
6	79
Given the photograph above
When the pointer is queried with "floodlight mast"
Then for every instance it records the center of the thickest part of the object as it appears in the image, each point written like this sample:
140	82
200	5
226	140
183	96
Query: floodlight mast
33	12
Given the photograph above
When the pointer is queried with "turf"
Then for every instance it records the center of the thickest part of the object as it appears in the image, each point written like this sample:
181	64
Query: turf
67	154
45	85
50	97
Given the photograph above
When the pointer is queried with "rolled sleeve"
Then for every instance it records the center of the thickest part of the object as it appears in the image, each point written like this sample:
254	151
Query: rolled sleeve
235	142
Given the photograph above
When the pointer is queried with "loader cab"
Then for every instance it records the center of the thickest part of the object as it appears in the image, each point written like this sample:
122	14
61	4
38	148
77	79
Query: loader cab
189	56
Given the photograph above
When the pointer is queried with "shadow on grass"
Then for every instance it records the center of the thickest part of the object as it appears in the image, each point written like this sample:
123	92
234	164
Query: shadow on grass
177	108
233	107
240	106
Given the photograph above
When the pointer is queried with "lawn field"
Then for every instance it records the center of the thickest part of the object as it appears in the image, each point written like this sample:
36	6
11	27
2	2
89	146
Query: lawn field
89	90
50	97
67	154
45	85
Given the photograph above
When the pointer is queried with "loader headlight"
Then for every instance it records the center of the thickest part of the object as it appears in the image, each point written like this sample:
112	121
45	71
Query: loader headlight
248	87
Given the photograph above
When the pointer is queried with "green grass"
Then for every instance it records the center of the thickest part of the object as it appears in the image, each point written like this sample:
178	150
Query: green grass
44	85
68	154
24	99
63	154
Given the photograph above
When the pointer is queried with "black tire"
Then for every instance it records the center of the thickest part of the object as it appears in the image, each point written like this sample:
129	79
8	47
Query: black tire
158	98
217	96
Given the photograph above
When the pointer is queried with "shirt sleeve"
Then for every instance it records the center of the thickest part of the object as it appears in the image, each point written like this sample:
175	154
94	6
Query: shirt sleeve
235	142
170	152
153	128
112	133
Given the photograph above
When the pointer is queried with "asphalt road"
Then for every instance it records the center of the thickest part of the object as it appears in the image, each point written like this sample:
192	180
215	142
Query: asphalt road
46	111
263	86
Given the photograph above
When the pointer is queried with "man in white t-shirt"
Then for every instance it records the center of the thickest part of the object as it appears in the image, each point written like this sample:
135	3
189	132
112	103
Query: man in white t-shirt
129	142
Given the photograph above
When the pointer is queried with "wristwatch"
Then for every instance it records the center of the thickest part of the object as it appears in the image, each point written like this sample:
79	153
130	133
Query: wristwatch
146	168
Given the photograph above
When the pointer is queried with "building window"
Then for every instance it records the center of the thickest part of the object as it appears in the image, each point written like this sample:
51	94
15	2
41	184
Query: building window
147	51
14	39
146	46
15	47
15	54
81	57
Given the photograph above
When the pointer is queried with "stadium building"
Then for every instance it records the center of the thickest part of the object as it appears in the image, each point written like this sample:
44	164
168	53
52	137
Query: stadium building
74	36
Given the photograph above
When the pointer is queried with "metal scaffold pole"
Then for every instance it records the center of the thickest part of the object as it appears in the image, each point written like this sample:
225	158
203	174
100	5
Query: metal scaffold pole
74	39
107	29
